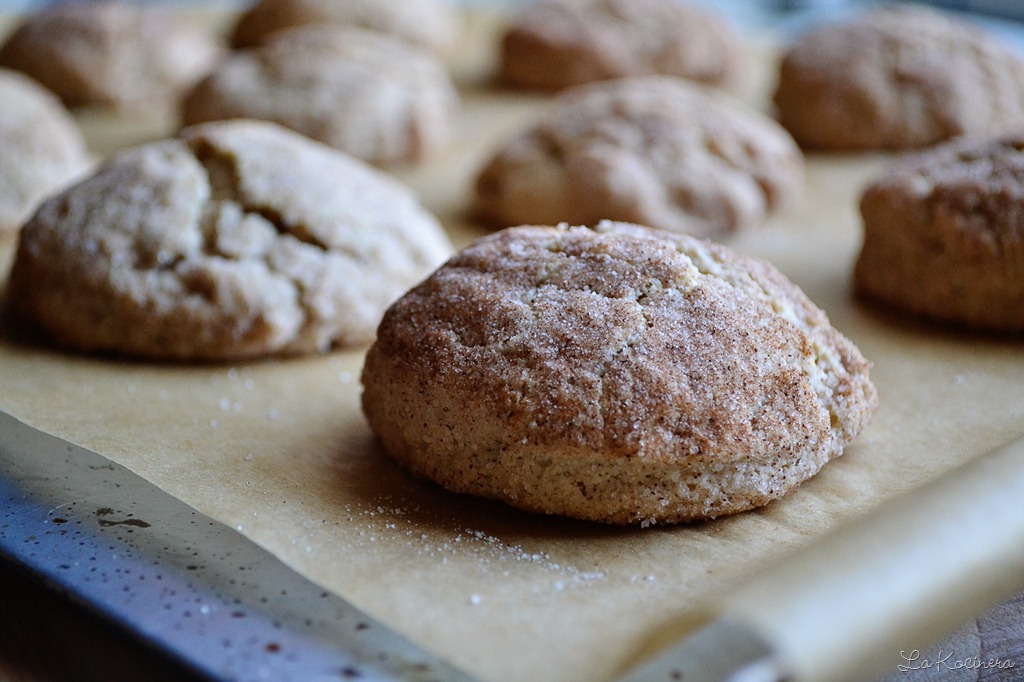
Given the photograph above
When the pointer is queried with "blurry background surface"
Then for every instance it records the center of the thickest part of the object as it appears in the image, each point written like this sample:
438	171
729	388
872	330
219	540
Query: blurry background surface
787	17
1005	8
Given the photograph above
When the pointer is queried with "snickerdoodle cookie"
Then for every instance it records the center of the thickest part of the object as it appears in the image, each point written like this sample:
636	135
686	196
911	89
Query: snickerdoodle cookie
618	374
898	78
365	93
654	150
42	147
110	53
236	239
558	43
432	24
944	235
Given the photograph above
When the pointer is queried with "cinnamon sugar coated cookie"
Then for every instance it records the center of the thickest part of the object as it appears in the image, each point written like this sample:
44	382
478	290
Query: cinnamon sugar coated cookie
367	94
110	53
236	239
43	148
558	43
944	235
898	78
655	150
432	24
618	374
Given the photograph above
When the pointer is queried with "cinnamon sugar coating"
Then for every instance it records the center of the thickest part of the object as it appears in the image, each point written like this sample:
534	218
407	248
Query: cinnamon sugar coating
432	24
944	235
43	149
618	374
654	150
234	240
365	93
129	56
560	43
898	78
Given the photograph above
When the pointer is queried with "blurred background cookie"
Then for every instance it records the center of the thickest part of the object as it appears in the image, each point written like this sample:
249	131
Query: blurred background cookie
654	150
237	239
554	44
43	148
110	53
622	375
432	24
898	78
371	95
944	235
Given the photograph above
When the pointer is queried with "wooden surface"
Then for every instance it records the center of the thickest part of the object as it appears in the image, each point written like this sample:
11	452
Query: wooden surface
279	450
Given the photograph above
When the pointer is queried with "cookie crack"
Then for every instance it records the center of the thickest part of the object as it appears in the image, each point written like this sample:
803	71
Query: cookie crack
745	165
225	182
224	178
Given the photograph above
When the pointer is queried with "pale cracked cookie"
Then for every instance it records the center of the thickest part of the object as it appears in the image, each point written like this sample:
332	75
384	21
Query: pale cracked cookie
898	78
654	150
368	94
944	235
559	43
431	24
43	148
110	53
618	374
234	240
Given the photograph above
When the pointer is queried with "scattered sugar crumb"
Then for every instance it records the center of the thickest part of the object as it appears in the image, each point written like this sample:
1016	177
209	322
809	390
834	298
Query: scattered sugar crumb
474	599
388	522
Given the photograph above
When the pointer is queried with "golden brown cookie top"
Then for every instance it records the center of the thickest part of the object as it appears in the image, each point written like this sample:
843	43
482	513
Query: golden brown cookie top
653	150
42	147
368	94
896	78
631	342
944	235
618	374
237	239
432	24
110	53
978	182
559	43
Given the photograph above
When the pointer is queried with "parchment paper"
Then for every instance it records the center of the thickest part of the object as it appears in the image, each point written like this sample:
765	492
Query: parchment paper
280	451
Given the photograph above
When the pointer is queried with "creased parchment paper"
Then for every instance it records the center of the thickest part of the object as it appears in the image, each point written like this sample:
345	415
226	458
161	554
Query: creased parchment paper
279	449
